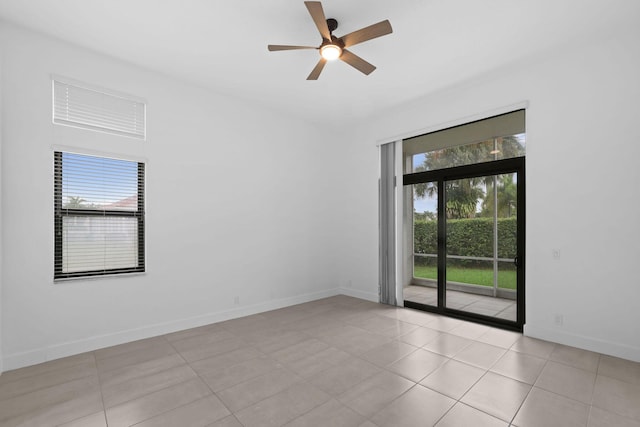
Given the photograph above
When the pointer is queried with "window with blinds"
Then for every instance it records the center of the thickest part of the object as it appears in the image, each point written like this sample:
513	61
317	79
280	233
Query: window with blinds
99	216
81	106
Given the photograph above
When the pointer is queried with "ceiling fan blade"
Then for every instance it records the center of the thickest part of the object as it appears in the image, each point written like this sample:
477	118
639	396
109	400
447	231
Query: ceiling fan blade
316	12
317	70
356	62
275	47
367	33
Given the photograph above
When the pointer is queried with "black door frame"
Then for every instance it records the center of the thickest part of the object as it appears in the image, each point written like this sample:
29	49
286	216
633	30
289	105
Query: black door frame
514	165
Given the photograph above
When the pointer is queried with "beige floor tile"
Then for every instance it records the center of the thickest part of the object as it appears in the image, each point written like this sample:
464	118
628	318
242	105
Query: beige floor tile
31	404
417	365
388	353
575	357
201	340
128	390
447	344
199	413
254	390
519	366
574	383
601	418
357	343
243	322
299	351
280	341
469	330
444	324
283	407
332	413
497	395
47	379
374	323
398	329
543	408
94	420
157	403
230	421
463	415
480	354
617	396
420	336
73	408
340	378
499	337
411	316
314	364
226	377
333	329
374	393
620	369
212	349
225	360
189	333
321	370
453	378
154	350
534	347
133	346
46	367
417	407
127	373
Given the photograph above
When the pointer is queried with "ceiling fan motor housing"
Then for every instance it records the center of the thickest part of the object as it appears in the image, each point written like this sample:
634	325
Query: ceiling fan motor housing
332	24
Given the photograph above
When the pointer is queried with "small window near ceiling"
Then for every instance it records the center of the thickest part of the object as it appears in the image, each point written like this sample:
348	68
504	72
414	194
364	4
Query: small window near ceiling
78	105
98	215
486	140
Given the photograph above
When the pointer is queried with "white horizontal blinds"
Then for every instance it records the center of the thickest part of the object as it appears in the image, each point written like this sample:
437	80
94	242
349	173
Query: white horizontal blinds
98	243
97	110
90	182
99	214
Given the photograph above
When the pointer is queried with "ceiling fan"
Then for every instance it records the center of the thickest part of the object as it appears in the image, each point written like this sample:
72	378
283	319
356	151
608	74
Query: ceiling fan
333	47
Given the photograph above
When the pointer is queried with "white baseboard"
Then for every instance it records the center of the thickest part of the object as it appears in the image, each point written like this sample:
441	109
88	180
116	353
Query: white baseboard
369	296
583	342
33	357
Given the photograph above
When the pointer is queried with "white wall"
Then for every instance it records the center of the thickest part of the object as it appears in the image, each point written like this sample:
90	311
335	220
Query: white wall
583	145
1	240
234	197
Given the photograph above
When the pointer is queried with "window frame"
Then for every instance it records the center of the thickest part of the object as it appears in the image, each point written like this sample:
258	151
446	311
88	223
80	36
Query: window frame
60	213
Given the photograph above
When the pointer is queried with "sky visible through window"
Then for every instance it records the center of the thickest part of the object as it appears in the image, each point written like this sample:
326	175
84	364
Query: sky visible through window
98	182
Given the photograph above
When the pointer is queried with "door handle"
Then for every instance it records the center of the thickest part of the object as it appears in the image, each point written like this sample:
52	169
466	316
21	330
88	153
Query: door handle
515	261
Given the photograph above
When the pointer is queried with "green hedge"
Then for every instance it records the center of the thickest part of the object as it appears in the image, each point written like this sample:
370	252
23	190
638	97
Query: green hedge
467	237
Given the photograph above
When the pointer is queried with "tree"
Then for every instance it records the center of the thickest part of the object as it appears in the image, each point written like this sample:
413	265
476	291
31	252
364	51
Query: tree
463	195
507	198
75	202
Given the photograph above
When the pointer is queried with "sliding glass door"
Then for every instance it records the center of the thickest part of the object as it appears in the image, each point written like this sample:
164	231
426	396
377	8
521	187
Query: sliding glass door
468	242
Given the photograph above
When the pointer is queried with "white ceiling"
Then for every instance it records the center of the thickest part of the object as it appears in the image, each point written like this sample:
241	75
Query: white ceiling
222	44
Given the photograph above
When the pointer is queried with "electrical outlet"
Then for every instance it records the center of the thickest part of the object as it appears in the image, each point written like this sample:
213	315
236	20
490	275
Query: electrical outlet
559	320
348	283
236	300
556	253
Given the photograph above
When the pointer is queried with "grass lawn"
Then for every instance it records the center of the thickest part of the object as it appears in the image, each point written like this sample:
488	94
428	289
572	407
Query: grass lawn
476	276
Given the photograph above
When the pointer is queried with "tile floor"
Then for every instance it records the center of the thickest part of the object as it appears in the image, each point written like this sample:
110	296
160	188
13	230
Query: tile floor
338	361
489	306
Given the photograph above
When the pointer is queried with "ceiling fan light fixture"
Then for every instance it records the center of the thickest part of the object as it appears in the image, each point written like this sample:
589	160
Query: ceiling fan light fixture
330	52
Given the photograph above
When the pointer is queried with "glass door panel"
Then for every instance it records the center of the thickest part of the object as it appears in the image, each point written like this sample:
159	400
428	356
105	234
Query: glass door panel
481	245
423	287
